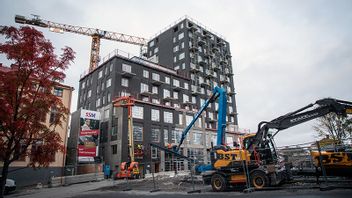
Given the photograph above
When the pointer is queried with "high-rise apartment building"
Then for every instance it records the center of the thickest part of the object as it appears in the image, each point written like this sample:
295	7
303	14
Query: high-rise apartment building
185	62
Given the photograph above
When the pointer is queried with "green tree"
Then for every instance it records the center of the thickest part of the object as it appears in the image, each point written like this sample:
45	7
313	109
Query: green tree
336	127
26	94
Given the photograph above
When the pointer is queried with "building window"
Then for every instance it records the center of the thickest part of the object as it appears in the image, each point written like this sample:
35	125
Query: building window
151	44
166	136
137	133
155	115
182	45
197	138
176	83
185	98
154	153
155	101
176	48
126	68
181	35
175	94
124	82
155	76
175	59
89	93
180	119
106	114
166	93
181	56
109	97
53	115
194	100
114	129
155	135
97	102
175	136
186	86
155	90
145	74
102	86
58	92
144	88
114	149
108	83
167	80
100	74
137	112
156	50
111	66
188	119
202	101
168	118
145	98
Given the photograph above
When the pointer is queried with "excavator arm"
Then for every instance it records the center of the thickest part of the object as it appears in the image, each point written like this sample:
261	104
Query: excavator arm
320	108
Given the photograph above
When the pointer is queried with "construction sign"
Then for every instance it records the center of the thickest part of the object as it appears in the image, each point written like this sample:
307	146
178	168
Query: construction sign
88	136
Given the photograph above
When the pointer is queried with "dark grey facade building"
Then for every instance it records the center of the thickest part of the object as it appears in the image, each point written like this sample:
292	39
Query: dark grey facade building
184	63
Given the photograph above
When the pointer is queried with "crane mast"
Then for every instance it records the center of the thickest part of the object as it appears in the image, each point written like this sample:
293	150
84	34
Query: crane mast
96	35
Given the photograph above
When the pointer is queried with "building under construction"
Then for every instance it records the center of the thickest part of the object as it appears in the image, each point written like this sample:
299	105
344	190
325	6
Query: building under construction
184	63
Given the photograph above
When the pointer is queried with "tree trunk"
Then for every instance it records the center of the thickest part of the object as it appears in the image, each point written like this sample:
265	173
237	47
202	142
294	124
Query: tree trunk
4	173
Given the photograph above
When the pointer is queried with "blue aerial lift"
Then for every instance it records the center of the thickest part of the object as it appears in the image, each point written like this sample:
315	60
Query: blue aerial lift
220	94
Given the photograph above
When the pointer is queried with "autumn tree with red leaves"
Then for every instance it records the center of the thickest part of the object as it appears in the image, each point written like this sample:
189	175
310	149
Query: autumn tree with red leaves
26	95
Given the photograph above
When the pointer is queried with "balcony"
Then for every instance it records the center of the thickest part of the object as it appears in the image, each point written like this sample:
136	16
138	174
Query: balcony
196	90
231	93
221	43
205	84
215	49
223	62
212	120
127	74
146	93
201	42
177	88
157	82
224	80
194	68
209	55
208	73
169	98
193	48
202	62
187	103
192	28
215	68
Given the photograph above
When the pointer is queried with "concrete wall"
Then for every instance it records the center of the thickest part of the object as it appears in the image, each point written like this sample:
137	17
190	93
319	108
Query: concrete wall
25	176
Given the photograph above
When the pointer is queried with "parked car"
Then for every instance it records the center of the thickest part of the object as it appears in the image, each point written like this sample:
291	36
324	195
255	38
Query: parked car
10	185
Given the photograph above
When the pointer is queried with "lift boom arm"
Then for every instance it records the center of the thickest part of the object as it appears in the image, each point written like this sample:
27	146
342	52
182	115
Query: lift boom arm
217	93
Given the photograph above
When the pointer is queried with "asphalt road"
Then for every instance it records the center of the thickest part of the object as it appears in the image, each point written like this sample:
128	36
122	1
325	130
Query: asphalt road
170	188
262	194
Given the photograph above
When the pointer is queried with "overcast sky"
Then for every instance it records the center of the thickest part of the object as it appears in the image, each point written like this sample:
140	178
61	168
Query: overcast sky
286	54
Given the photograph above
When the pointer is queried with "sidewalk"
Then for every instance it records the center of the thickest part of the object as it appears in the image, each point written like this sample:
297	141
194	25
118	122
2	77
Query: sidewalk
64	191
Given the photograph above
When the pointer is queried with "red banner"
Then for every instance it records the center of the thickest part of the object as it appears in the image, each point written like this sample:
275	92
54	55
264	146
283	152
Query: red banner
84	151
89	132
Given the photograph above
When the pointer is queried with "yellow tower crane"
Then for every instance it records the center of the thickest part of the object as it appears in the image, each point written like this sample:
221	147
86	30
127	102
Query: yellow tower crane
96	35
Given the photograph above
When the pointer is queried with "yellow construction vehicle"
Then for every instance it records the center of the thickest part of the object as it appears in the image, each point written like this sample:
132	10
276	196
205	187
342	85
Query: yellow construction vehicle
256	163
128	169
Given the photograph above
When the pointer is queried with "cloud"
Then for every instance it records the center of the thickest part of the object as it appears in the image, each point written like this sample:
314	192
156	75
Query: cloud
286	54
